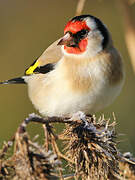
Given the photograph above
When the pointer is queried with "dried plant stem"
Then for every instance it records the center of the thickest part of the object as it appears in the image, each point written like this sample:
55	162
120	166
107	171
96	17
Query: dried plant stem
80	6
56	151
69	176
46	144
46	120
129	26
65	158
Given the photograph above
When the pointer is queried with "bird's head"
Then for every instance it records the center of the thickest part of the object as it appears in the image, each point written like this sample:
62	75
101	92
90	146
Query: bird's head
84	35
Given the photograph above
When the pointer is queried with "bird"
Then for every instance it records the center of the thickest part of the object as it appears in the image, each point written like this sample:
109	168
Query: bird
81	71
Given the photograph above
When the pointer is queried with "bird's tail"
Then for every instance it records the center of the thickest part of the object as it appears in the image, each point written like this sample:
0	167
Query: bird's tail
19	80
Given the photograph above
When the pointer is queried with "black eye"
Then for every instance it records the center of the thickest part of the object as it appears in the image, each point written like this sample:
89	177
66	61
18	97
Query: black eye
82	34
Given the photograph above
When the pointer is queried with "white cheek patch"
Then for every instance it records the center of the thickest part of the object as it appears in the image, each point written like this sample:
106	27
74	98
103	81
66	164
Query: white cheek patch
90	23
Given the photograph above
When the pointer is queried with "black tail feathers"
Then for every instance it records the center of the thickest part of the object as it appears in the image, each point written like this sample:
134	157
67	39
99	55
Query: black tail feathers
19	80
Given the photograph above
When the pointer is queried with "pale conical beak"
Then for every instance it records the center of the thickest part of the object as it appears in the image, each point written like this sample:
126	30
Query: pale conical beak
67	40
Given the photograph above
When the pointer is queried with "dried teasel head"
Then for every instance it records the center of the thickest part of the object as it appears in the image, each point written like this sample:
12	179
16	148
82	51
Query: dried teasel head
92	148
29	160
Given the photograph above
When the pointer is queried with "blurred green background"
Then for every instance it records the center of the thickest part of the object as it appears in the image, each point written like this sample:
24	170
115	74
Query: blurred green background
27	28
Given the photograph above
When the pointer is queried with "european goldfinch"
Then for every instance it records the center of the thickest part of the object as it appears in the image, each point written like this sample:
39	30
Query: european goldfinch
82	71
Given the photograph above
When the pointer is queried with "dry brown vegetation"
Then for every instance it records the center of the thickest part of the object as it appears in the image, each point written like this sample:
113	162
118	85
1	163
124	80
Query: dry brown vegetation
90	151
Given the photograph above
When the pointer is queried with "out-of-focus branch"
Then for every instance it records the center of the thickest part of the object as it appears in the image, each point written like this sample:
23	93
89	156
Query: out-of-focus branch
131	2
129	25
80	6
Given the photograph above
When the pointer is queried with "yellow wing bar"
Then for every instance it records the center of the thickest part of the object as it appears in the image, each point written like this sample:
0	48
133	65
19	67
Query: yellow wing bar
32	68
